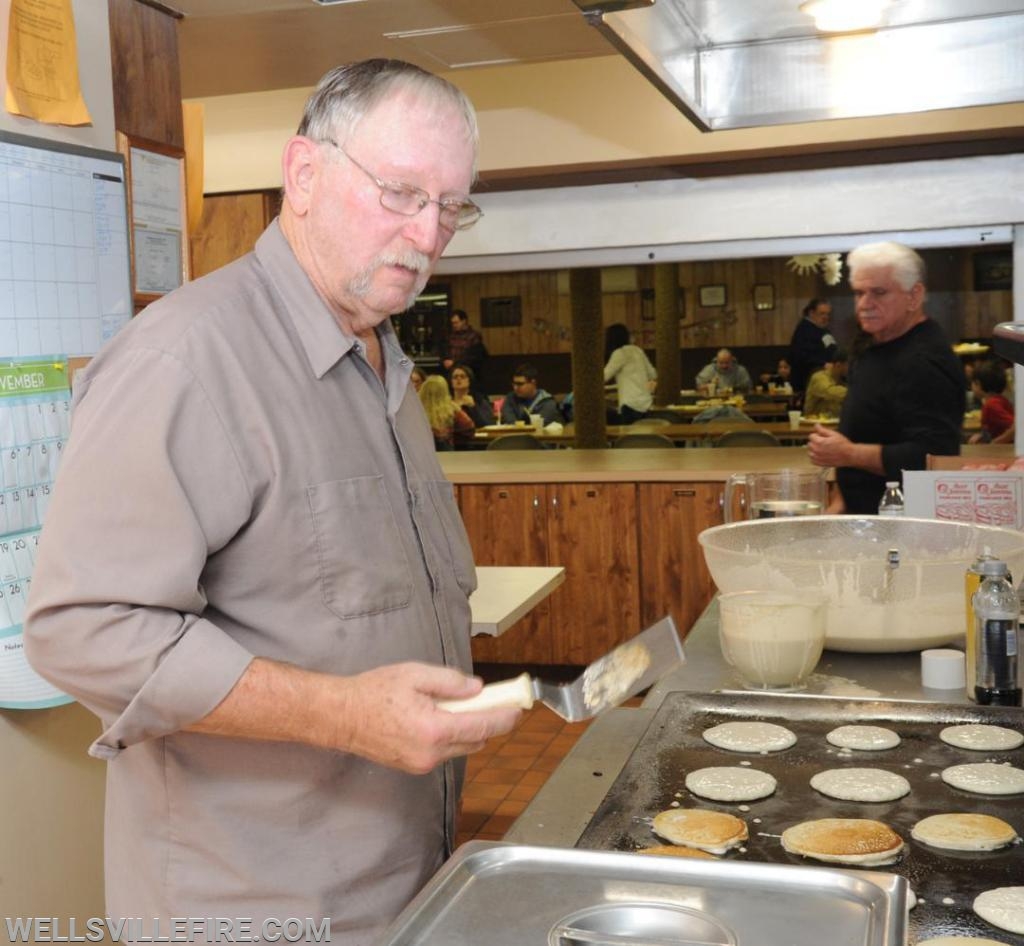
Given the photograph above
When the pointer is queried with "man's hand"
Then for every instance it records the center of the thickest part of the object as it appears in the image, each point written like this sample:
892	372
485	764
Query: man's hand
827	447
388	715
391	716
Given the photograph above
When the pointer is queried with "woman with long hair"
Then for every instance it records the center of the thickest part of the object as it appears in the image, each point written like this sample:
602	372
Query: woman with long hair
448	422
466	396
631	370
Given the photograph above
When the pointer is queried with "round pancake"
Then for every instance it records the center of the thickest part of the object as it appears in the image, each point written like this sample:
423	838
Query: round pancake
675	850
853	784
982	738
750	737
712	831
844	841
960	941
961	831
867	738
1002	907
730	783
985	778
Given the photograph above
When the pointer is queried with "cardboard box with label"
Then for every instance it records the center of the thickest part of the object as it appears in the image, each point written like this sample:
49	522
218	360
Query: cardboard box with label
961	490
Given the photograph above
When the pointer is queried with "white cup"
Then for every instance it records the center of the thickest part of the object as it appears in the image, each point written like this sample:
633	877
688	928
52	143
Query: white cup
773	640
942	669
538	421
794	420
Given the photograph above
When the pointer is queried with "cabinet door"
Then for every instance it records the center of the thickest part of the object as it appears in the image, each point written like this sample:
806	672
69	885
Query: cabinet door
507	526
673	577
592	531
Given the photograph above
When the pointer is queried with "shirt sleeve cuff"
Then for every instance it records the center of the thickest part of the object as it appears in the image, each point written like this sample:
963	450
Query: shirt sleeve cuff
189	683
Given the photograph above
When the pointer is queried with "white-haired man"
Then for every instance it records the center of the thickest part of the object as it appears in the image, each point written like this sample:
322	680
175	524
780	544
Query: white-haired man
253	570
906	391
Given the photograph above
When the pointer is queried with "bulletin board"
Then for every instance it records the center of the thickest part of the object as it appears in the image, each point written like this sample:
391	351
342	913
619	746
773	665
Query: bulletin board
157	216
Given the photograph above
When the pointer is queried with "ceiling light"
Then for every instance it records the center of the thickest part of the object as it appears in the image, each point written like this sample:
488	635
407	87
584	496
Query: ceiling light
842	16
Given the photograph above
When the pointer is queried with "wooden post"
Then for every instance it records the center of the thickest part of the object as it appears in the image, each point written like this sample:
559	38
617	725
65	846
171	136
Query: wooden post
666	333
587	359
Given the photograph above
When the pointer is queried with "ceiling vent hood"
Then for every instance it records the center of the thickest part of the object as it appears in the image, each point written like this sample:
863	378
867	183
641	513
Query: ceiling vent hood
736	64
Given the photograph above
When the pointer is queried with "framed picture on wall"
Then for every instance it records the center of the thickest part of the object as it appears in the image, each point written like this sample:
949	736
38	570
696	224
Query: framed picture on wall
993	269
158	234
764	297
712	296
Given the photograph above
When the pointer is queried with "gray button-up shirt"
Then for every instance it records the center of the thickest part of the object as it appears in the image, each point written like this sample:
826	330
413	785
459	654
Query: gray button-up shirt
238	482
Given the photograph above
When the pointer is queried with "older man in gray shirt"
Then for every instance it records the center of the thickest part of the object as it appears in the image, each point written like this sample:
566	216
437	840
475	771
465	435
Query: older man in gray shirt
253	570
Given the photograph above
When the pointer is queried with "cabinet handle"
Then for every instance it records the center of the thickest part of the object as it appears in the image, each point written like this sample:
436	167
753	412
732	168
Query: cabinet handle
536	502
591	493
684	492
554	501
721	501
502	494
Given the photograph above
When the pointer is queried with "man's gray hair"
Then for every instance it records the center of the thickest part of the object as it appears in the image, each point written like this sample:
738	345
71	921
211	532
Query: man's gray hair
907	267
346	93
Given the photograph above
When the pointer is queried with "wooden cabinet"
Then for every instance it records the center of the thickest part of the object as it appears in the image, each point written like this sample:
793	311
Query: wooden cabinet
590	529
673	576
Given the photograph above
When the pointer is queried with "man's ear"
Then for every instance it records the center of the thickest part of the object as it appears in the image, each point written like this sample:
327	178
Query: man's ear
300	163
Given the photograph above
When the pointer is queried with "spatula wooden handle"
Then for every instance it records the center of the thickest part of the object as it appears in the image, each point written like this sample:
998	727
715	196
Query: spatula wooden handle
517	692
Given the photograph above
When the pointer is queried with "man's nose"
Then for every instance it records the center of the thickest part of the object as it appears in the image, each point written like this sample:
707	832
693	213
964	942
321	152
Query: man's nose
424	229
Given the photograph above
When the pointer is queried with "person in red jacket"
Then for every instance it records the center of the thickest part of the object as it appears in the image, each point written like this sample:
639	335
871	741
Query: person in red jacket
997	418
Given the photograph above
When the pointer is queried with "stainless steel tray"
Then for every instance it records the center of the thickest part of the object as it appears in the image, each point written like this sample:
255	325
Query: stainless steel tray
945	882
514	895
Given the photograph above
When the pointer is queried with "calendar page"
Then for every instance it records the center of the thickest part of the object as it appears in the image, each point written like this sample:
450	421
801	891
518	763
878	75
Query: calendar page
35	417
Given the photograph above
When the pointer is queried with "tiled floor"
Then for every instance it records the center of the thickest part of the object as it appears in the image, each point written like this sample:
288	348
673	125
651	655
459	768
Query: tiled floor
502	778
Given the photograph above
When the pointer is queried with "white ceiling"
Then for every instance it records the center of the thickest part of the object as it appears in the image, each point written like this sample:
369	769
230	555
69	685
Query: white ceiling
231	46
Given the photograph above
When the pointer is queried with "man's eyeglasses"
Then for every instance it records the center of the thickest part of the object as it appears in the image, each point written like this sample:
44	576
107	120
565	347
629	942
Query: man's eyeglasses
455	213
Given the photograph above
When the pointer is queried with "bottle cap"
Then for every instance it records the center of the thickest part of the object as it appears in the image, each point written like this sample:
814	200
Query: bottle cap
994	568
942	669
892	484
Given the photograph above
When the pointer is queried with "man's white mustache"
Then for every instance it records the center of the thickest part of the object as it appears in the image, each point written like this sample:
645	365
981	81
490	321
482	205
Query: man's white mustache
410	259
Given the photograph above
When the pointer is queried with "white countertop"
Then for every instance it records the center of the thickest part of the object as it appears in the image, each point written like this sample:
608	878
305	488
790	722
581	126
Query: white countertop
505	593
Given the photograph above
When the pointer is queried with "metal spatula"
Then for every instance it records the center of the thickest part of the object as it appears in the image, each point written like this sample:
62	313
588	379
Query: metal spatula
618	675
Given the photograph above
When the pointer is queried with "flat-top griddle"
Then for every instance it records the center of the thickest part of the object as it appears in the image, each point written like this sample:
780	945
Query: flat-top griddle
945	882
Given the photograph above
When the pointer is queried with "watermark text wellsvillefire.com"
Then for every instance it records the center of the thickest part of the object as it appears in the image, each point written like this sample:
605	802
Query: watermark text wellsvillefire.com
51	929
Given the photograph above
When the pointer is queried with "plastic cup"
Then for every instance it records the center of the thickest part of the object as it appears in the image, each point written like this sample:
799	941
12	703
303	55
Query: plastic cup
794	420
771	639
538	421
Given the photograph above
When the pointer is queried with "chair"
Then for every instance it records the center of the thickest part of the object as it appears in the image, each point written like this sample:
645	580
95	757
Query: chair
748	438
515	442
643	440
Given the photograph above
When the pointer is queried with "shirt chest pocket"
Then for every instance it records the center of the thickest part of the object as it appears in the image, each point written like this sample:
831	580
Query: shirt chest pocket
362	562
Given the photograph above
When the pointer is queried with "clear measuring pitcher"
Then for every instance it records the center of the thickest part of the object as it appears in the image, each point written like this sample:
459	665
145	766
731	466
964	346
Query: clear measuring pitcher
772	495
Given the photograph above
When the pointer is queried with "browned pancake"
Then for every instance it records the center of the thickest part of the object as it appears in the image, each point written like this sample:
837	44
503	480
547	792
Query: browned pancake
712	831
674	850
963	831
844	840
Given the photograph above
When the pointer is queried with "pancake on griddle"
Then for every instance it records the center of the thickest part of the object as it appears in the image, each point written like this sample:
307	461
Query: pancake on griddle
730	783
985	778
982	737
677	850
712	831
854	784
865	738
844	841
750	737
963	831
1002	907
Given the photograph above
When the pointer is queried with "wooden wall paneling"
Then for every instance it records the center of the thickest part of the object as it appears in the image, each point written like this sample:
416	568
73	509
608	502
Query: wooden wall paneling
231	225
144	62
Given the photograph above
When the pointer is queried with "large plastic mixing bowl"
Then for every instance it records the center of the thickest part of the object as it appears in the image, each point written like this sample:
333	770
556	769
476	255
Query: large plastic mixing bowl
892	584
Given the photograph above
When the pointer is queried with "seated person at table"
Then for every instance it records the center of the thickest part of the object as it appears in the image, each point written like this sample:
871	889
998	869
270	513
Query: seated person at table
723	375
466	395
527	398
449	424
826	390
997	417
780	377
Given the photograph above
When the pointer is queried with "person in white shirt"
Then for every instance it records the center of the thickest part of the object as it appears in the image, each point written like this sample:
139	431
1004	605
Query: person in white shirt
631	370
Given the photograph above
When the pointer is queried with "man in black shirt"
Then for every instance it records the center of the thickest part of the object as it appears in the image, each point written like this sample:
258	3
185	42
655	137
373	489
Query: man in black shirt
906	396
812	344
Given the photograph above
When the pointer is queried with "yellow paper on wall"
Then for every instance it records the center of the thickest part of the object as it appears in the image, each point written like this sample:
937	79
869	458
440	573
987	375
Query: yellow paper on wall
42	63
192	117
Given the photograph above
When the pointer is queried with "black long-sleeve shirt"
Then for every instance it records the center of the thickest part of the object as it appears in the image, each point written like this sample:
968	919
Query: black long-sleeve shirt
908	395
809	348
